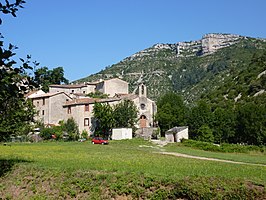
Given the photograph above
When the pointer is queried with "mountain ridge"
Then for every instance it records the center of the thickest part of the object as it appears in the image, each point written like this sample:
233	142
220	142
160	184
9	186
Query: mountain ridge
186	67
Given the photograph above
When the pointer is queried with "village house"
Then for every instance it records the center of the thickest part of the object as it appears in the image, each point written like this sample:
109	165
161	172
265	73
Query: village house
49	107
70	101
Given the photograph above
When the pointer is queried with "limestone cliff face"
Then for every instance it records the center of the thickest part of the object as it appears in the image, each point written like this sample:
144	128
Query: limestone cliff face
209	44
212	42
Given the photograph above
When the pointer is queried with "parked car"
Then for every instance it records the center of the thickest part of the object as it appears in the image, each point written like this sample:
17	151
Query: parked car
98	140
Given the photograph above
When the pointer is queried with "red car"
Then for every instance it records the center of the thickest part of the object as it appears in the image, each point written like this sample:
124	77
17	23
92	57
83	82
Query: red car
98	140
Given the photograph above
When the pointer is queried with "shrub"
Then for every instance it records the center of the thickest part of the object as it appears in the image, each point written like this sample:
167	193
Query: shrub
227	148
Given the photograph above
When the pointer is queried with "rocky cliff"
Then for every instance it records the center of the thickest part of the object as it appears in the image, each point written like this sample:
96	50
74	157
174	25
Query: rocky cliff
209	44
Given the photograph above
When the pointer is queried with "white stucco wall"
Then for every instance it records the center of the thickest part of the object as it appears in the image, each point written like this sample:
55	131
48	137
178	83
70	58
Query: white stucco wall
121	133
115	86
182	135
169	137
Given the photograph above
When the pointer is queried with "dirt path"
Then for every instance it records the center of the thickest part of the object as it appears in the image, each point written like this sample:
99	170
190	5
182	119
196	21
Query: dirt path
211	159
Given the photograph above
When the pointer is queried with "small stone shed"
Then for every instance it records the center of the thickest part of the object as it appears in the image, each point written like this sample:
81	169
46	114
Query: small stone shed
175	134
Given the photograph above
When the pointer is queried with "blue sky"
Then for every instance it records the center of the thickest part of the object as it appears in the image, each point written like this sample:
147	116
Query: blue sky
85	36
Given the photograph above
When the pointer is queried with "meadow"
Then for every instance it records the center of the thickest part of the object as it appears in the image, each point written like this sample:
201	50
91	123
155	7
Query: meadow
129	169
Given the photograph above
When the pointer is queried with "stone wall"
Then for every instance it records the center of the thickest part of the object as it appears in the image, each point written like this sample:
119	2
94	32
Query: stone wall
146	133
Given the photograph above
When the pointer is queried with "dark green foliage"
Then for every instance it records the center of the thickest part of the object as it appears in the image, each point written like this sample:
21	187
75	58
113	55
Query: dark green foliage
44	77
205	133
251	123
103	114
10	8
16	114
224	124
125	114
199	116
68	128
46	133
223	147
171	111
121	115
98	95
71	127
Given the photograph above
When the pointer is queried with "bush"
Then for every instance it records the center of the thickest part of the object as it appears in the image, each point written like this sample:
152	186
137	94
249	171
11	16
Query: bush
46	133
227	148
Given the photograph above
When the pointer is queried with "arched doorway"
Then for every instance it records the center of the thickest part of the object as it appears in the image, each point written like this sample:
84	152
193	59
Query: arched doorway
143	121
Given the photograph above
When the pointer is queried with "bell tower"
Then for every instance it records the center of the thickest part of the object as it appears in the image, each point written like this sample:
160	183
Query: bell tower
142	90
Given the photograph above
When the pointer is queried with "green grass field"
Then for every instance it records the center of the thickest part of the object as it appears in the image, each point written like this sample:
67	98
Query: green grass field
130	169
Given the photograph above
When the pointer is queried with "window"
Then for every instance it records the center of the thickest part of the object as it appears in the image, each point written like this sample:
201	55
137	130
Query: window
69	110
43	101
83	92
86	122
142	106
38	103
43	112
87	107
72	91
142	89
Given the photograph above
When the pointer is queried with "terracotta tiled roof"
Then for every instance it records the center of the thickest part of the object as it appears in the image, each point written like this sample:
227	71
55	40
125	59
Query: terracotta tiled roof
73	85
30	93
68	86
83	101
128	96
49	95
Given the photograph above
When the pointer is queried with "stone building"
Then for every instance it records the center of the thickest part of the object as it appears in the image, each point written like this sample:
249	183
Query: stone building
82	111
85	88
109	87
49	107
66	101
112	87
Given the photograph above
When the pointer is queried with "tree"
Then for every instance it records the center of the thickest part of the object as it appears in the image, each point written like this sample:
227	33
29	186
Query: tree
103	114
10	8
251	123
224	124
97	94
199	115
44	77
71	127
125	114
205	133
16	113
171	111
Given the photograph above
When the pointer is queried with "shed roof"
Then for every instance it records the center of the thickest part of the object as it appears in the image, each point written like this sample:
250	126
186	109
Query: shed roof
176	129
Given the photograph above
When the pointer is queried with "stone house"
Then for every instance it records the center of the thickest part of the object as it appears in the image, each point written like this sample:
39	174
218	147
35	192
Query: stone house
82	111
112	87
85	88
49	107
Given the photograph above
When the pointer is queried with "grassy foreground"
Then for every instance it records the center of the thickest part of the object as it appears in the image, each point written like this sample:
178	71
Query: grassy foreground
121	170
